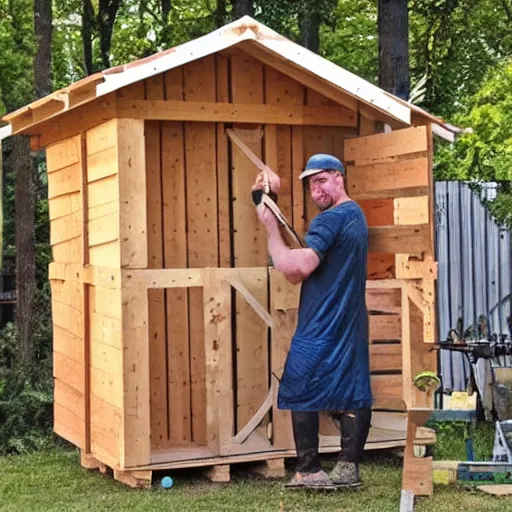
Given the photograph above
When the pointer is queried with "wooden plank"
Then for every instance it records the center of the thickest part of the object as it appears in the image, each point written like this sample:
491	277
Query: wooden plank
378	212
101	137
110	278
106	359
223	112
385	145
284	303
133	91
68	318
102	164
201	200
412	210
251	347
177	374
132	193
167	278
106	255
104	229
68	425
380	266
73	122
413	239
103	191
107	386
66	228
105	329
218	361
68	293
105	301
136	449
64	205
366	126
68	252
386	357
406	348
300	75
387	391
388	179
64	181
63	154
103	210
298	192
154	90
68	371
385	327
384	301
67	344
68	398
106	430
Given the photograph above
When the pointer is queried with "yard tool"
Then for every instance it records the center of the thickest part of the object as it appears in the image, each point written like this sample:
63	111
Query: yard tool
265	195
427	381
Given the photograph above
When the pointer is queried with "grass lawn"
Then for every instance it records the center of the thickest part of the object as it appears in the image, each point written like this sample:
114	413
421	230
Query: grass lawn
55	482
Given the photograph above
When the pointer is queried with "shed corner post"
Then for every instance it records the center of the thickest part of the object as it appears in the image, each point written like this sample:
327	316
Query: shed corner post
218	361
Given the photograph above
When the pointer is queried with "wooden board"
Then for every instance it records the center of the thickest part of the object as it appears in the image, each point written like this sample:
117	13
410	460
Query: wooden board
400	239
250	245
132	193
64	181
388	179
385	327
136	447
386	357
201	199
64	205
155	90
375	147
387	391
63	154
106	431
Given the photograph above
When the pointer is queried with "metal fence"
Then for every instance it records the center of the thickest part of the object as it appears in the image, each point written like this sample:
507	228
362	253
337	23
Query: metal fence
475	277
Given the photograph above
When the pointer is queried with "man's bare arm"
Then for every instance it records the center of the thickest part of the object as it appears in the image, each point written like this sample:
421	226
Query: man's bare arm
295	264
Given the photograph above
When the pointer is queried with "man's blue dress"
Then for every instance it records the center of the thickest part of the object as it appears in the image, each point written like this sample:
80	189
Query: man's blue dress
327	367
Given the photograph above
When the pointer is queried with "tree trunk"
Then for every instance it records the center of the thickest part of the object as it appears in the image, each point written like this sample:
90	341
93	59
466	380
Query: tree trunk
309	26
242	8
87	26
25	245
106	19
43	30
220	13
166	9
393	25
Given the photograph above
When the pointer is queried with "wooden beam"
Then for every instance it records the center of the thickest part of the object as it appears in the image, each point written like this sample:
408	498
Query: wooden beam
165	278
221	112
252	301
400	239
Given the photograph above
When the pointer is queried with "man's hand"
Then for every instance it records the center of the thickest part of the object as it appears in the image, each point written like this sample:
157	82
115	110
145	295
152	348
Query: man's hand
266	217
268	176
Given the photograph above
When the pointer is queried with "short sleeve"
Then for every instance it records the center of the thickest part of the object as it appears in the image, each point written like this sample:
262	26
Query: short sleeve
323	232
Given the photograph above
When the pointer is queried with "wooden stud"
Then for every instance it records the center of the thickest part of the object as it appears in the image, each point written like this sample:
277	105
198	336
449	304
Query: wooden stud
136	447
154	90
87	461
399	239
218	359
223	112
417	472
132	193
202	228
223	178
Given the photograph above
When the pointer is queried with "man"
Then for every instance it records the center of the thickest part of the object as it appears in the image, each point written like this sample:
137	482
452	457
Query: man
327	368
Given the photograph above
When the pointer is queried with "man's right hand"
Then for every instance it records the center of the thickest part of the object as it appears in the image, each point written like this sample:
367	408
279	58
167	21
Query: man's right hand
272	178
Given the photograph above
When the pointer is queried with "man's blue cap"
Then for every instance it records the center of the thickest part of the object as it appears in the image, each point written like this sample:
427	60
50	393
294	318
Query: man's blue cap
322	162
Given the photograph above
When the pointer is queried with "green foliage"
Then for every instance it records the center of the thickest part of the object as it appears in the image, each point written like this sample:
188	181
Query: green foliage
485	154
25	400
451	440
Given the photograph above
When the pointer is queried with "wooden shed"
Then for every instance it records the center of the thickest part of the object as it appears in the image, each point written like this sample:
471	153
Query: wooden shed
170	328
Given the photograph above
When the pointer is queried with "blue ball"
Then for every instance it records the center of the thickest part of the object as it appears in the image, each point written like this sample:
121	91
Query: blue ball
167	482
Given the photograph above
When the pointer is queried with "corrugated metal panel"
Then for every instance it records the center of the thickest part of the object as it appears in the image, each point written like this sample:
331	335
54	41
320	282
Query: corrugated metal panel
474	256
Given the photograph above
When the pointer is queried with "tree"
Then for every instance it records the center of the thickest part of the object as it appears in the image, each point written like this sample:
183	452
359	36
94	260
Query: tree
393	23
242	8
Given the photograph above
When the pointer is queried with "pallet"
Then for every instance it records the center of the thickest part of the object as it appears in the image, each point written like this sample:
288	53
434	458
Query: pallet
218	473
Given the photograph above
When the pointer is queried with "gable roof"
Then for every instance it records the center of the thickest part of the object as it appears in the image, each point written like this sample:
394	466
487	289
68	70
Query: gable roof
259	38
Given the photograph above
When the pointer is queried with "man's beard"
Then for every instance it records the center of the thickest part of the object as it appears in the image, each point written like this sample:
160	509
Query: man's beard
324	206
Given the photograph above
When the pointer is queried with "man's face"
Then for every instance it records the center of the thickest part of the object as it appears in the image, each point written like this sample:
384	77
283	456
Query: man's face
325	188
